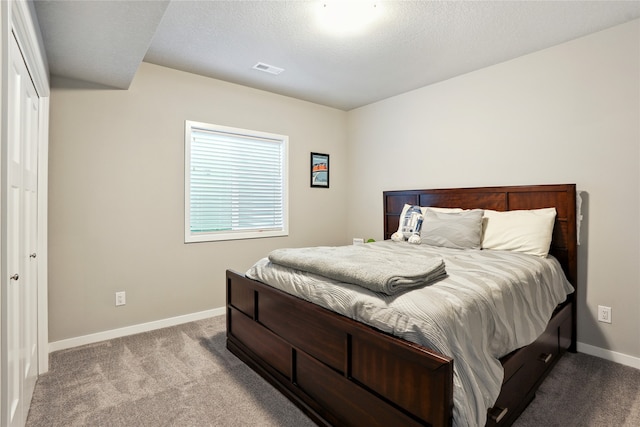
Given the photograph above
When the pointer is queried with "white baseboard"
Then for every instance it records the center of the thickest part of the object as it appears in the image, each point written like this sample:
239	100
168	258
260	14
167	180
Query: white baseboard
134	329
613	356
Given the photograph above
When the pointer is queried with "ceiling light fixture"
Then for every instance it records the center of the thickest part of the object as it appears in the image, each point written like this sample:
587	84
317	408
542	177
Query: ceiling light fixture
347	16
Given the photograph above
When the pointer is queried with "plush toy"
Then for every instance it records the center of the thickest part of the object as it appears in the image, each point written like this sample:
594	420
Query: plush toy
415	237
397	237
411	217
410	225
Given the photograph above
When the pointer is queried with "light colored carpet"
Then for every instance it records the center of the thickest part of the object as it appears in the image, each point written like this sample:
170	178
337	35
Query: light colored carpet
178	376
184	376
586	391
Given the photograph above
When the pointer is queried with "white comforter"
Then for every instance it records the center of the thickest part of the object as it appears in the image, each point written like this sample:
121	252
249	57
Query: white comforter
491	303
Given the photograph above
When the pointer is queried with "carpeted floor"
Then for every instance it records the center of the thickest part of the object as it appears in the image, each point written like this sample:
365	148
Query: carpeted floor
179	376
184	376
586	391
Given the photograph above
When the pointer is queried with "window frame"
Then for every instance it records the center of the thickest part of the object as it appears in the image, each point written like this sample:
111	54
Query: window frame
190	237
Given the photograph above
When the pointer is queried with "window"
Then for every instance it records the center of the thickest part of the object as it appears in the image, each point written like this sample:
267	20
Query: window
235	183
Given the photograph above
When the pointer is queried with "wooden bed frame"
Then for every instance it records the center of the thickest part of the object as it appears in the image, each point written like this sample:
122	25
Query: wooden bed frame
343	373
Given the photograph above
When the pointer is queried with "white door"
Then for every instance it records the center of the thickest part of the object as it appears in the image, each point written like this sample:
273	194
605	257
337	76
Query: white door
29	238
19	369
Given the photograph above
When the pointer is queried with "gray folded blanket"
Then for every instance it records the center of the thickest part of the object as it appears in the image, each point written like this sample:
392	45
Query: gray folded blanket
369	266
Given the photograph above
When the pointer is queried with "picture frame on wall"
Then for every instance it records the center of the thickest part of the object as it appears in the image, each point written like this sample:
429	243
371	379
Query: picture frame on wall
320	170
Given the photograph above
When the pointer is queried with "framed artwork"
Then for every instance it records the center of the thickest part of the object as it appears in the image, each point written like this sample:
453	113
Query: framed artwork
320	170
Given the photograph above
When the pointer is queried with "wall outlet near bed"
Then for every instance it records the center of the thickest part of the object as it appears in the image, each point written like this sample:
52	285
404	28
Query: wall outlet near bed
121	298
358	241
604	314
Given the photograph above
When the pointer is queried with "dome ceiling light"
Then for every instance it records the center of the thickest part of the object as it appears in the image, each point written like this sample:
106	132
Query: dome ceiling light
346	17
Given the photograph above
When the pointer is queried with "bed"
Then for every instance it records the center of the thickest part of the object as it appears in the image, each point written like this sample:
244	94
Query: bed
343	372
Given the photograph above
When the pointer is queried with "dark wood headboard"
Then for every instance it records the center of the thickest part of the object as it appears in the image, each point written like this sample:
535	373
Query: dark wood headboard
562	197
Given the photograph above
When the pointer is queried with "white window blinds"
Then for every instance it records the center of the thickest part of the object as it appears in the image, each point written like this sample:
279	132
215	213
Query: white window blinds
236	183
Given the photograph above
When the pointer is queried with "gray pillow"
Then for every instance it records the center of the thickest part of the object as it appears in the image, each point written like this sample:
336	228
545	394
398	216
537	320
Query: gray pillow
459	230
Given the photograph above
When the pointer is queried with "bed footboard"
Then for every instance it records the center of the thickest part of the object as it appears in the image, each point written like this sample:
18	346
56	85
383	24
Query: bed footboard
340	372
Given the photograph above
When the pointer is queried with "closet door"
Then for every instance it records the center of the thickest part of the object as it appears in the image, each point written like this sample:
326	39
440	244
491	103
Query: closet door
20	313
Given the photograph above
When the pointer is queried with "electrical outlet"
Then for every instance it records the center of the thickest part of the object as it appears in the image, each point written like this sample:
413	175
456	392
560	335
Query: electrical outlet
358	241
604	314
121	298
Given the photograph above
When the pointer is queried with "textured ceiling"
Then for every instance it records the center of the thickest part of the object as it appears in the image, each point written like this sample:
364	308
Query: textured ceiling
100	42
410	45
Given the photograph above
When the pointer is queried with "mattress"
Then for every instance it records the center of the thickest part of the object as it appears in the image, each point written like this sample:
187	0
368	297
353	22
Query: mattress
490	303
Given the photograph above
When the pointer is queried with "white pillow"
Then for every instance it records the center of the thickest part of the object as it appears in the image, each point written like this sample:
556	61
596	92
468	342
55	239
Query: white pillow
527	231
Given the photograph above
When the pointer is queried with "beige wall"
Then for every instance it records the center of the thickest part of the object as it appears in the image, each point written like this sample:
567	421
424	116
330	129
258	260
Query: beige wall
116	184
568	114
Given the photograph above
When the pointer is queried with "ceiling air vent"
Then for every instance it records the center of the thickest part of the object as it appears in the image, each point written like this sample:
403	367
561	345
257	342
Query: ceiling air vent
267	68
